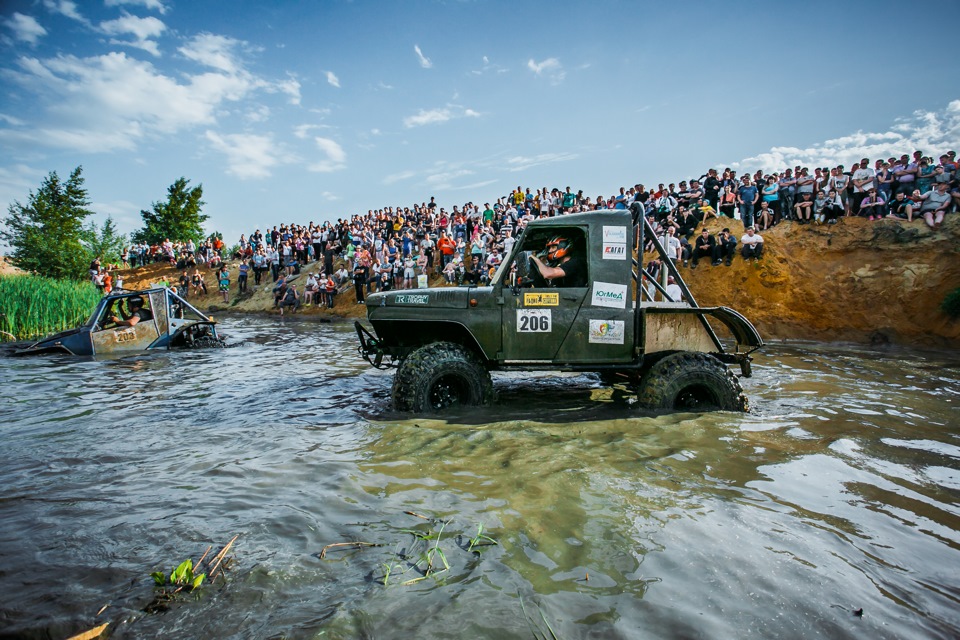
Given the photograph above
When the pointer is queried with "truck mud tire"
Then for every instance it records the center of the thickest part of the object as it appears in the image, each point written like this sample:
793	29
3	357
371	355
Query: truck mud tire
438	376
689	381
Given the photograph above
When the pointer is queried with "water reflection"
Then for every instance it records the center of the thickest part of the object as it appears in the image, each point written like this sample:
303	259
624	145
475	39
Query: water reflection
838	492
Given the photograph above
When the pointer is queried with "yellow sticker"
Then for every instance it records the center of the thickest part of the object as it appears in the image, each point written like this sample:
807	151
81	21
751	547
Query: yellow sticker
541	299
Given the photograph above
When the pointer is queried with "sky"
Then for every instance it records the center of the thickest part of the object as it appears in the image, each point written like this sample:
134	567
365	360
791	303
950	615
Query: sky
298	111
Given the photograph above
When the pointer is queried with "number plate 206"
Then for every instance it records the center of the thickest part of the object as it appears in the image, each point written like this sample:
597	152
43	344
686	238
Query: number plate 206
534	321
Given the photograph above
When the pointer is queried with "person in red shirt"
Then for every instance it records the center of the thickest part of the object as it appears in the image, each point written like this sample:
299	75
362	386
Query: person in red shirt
447	246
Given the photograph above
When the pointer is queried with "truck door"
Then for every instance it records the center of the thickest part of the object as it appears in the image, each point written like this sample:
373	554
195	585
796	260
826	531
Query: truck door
536	321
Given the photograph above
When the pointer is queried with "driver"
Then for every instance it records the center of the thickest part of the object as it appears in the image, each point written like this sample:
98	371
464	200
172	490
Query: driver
135	315
562	267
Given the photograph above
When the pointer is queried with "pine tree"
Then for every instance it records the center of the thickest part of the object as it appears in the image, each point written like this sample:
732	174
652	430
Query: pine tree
178	219
46	234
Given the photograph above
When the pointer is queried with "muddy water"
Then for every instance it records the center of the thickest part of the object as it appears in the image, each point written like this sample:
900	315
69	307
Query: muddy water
840	492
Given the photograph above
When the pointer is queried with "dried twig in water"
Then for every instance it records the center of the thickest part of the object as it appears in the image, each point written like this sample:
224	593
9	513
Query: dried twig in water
103	608
416	515
219	557
200	561
96	632
358	545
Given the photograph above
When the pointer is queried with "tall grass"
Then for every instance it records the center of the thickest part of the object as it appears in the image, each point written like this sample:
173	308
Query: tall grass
33	306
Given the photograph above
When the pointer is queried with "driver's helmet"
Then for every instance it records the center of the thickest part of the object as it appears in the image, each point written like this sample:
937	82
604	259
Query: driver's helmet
135	301
558	248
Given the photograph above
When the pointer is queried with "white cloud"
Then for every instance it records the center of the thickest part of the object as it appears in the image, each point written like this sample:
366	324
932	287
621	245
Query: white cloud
399	177
437	179
384	86
248	155
335	156
424	61
154	5
25	28
217	52
519	163
65	8
436	116
930	131
331	197
143	31
549	68
333	79
290	86
110	102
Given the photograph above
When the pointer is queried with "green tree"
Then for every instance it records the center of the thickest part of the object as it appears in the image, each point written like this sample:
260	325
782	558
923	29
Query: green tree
104	242
179	218
46	234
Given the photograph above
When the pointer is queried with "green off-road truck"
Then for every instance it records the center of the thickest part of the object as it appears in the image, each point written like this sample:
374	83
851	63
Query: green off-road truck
615	319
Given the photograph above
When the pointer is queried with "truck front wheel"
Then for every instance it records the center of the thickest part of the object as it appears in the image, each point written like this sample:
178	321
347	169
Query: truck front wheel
438	376
691	381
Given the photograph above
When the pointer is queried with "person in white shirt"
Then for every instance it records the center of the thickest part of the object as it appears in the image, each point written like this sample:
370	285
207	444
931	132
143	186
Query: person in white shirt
673	290
752	245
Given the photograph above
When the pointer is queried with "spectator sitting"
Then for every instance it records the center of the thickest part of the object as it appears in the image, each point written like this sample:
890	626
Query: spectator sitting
935	205
290	299
902	207
803	210
752	244
727	245
311	290
279	290
706	245
872	206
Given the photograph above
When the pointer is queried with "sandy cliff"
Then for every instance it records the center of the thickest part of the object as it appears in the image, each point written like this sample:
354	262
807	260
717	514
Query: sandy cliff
856	281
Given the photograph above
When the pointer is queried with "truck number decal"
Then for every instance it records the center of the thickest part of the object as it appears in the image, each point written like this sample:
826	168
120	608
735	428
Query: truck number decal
126	336
534	321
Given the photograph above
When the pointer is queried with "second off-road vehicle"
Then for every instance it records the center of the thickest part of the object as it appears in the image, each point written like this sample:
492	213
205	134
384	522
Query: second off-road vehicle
616	319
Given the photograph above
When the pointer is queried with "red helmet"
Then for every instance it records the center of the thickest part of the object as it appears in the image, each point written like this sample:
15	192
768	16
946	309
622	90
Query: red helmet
557	248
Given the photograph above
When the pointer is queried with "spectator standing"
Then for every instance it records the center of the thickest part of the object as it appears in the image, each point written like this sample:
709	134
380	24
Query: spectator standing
242	271
223	282
863	178
747	196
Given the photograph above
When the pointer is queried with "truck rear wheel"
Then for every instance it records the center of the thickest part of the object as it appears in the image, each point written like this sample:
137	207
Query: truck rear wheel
438	376
691	381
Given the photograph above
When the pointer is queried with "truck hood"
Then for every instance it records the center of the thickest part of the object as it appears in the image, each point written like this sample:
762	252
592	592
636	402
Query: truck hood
439	298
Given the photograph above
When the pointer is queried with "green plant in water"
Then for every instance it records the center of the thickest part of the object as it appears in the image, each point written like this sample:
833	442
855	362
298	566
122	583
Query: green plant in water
181	577
951	304
480	540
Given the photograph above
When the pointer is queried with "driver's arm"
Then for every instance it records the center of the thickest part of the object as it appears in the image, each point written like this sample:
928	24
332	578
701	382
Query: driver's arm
549	273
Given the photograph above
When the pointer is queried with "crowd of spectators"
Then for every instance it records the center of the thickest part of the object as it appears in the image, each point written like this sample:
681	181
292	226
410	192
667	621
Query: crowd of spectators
399	247
392	247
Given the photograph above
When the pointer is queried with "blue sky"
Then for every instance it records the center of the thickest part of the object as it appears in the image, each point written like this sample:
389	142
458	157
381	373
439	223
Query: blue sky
299	111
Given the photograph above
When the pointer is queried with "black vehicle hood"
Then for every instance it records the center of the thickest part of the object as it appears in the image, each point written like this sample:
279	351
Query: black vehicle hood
439	298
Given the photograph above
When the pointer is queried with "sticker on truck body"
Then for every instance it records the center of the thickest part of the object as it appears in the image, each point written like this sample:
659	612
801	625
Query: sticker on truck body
606	331
614	243
409	298
608	294
541	299
534	321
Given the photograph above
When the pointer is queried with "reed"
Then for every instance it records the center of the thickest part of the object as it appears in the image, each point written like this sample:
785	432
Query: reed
33	306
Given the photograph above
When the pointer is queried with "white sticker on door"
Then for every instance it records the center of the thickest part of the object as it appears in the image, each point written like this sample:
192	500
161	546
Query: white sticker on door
615	234
534	321
608	294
